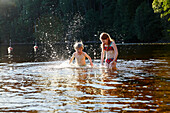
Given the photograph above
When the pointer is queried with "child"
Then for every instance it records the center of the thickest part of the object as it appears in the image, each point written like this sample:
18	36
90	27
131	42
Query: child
109	47
79	55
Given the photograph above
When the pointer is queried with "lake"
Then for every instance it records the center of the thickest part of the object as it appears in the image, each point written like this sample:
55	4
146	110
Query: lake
42	81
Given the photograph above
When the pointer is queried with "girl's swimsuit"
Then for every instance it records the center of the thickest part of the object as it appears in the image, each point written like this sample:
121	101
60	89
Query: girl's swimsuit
109	60
109	49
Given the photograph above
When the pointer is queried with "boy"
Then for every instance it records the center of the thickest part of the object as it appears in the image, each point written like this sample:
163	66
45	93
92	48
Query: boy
79	55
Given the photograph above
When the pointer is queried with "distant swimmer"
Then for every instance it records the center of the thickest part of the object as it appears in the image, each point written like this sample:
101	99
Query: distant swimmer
79	55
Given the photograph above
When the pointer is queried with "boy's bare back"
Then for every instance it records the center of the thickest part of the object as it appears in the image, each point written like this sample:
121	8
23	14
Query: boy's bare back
80	59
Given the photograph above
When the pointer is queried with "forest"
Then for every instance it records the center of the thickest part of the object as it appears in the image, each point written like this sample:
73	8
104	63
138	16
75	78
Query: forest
52	21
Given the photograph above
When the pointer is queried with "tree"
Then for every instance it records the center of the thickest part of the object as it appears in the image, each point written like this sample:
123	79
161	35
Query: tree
68	20
124	19
162	7
49	29
8	13
147	24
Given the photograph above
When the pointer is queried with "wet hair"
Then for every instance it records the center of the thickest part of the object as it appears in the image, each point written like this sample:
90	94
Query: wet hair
78	45
104	36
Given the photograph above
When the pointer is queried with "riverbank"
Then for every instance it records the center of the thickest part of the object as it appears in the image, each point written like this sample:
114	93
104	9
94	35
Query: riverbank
89	42
142	43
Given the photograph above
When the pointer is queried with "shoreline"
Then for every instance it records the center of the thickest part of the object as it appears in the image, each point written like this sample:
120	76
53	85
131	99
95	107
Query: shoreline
91	42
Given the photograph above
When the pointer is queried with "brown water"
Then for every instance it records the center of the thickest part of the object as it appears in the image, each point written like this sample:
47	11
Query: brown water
141	83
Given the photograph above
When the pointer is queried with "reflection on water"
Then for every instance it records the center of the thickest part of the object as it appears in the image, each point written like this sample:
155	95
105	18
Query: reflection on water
141	83
56	87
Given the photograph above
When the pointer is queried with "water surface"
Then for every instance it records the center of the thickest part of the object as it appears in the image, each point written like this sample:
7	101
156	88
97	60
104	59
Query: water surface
141	83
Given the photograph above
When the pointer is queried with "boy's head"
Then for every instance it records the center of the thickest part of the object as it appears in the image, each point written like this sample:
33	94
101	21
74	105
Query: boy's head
78	46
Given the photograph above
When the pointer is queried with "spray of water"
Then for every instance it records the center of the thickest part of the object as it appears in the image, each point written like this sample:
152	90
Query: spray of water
73	33
57	39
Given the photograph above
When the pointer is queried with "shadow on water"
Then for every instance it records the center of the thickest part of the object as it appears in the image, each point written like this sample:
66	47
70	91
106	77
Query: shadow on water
141	83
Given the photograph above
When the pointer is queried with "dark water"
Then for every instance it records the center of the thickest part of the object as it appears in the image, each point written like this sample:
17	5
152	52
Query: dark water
44	82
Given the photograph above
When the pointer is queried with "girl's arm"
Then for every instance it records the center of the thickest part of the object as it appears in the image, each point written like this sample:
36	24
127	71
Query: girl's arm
72	58
115	50
102	57
89	58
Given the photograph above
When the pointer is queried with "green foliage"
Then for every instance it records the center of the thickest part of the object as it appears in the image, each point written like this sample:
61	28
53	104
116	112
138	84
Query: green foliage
162	7
8	13
49	29
25	21
124	19
147	24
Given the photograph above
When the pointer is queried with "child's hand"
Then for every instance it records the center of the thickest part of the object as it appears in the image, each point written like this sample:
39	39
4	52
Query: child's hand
111	64
91	64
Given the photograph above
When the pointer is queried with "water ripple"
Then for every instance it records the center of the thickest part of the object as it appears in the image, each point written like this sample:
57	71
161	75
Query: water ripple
51	87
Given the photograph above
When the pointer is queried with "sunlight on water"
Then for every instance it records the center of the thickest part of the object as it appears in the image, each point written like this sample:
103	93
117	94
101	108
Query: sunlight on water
57	86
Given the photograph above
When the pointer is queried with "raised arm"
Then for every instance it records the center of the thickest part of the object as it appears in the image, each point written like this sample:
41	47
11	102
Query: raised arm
89	58
72	58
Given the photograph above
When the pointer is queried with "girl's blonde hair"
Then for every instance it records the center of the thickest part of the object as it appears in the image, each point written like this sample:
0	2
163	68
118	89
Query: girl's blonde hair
78	45
104	36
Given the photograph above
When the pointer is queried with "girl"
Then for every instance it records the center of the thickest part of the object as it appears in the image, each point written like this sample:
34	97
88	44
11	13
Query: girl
110	49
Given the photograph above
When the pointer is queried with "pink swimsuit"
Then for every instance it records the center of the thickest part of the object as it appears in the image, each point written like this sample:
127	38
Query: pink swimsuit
109	49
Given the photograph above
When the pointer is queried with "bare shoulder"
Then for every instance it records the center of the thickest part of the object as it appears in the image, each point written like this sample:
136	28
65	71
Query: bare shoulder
74	53
113	43
84	53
